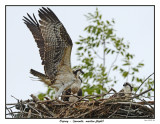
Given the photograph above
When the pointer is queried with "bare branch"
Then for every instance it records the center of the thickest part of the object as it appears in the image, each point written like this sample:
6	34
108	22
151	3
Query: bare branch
144	81
143	93
97	54
113	64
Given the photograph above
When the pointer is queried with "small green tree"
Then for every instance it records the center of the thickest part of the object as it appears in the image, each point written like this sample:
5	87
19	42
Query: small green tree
101	44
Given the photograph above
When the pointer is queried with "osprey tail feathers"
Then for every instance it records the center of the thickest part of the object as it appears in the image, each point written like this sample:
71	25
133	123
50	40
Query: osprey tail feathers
41	76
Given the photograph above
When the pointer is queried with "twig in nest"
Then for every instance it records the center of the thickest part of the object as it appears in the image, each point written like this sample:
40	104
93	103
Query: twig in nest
34	98
29	114
114	112
148	103
42	105
15	98
40	115
142	93
129	108
10	112
144	103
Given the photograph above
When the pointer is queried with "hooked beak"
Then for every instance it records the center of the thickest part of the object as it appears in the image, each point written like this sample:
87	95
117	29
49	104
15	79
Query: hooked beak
82	72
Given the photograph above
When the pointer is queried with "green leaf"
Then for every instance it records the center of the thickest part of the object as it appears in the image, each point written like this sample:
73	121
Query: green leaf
141	64
149	94
85	28
135	88
100	16
98	31
125	74
113	39
107	22
80	48
135	69
138	79
121	70
93	44
108	51
122	53
49	90
115	68
133	78
94	30
98	91
105	49
124	50
141	90
110	31
97	44
113	21
126	64
98	23
113	51
77	42
41	96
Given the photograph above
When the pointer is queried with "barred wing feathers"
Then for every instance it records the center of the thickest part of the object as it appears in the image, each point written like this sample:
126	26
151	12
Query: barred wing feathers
33	25
57	43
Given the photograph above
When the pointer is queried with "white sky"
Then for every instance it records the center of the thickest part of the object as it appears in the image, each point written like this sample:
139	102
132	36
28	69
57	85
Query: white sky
135	24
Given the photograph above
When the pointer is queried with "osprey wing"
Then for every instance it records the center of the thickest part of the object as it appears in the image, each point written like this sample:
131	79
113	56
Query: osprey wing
57	43
33	25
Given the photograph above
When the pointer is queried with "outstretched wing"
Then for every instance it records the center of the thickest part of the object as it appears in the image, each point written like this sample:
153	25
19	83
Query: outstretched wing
57	43
52	39
33	25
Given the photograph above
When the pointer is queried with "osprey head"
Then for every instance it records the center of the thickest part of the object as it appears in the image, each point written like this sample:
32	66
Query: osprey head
127	86
78	72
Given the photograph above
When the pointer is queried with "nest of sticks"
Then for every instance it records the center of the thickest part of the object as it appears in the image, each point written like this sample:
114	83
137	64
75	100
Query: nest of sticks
90	106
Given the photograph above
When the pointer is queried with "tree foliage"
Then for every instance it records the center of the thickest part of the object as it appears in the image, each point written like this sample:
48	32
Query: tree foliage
100	44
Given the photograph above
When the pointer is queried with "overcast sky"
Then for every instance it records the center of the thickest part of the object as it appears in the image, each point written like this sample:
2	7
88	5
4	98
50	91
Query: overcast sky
135	24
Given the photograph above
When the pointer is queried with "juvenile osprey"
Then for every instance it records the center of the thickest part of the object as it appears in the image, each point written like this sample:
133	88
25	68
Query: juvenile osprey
126	92
75	88
127	89
55	47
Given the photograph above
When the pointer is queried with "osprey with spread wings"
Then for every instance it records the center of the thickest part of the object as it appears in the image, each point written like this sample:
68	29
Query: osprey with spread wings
55	47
